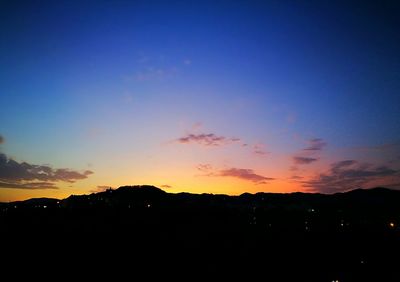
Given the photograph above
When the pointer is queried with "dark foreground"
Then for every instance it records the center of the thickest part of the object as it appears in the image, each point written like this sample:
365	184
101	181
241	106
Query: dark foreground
135	231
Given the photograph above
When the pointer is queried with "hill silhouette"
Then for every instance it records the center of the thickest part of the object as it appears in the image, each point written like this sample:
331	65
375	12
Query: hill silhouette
375	200
314	237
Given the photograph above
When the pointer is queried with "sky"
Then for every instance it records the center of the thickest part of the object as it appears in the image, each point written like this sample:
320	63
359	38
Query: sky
198	96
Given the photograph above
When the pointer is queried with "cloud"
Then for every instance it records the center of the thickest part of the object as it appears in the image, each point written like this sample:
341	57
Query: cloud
315	144
29	176
241	173
100	188
29	185
204	167
166	186
208	140
245	174
303	160
342	164
350	174
1	139
394	146
296	177
259	149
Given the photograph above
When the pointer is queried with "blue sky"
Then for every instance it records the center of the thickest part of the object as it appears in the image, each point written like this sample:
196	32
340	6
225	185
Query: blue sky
110	86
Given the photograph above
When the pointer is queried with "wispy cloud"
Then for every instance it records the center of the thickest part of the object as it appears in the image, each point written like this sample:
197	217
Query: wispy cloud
304	160
350	174
308	154
214	140
259	149
393	146
209	139
206	168
296	177
241	173
166	186
315	144
28	185
29	176
342	164
245	174
100	188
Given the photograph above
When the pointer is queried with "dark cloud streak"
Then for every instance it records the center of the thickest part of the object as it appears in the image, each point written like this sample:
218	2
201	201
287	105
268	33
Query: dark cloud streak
315	144
29	176
29	185
303	160
259	149
350	174
209	139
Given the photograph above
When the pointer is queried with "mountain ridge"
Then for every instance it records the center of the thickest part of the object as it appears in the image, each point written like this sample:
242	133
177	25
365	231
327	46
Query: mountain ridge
150	192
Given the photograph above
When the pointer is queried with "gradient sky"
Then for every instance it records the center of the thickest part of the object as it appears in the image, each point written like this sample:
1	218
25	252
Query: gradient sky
214	97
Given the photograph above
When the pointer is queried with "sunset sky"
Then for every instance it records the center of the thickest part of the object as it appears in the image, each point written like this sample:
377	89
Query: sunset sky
203	97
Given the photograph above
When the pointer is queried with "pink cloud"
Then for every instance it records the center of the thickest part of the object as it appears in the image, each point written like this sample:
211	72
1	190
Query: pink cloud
241	173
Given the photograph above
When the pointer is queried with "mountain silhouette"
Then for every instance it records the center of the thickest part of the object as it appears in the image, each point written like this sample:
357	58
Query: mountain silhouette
144	195
349	236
